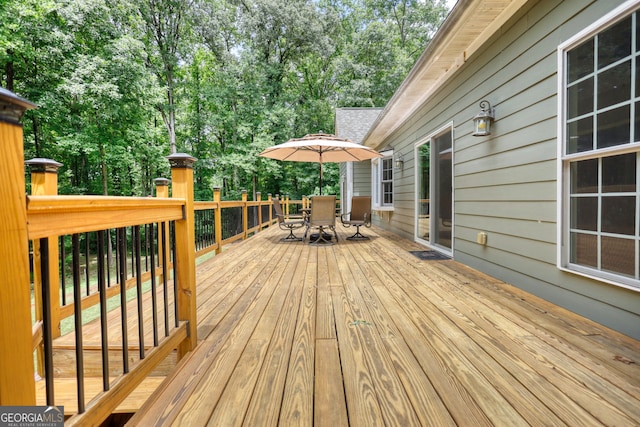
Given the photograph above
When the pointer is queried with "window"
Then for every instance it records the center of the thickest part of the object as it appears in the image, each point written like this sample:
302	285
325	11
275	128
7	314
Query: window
382	182
600	158
386	183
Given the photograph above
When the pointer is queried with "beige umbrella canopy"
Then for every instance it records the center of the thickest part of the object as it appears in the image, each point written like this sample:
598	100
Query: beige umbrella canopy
320	148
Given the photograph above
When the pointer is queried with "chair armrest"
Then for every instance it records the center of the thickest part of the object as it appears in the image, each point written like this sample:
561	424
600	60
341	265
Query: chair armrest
345	217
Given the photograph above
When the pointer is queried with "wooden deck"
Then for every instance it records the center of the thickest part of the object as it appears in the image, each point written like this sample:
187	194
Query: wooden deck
364	334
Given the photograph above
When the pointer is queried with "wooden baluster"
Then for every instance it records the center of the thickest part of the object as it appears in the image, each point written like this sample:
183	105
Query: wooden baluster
182	186
17	384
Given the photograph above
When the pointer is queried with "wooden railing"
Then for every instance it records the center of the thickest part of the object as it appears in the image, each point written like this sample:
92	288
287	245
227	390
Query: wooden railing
75	240
124	218
44	212
50	216
222	222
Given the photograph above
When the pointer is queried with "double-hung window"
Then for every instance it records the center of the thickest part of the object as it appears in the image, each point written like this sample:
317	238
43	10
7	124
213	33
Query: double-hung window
600	150
386	181
382	181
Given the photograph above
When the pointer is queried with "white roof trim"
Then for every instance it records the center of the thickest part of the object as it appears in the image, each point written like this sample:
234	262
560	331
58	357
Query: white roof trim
467	27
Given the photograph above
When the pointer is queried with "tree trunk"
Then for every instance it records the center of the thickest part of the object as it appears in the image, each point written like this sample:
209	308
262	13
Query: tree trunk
254	184
9	72
36	139
171	126
103	168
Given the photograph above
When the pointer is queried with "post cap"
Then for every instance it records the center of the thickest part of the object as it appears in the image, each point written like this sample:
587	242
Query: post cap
181	160
39	164
161	182
12	107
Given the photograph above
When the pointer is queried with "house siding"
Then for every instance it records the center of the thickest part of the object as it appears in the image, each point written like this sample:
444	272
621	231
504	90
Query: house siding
506	184
362	178
353	124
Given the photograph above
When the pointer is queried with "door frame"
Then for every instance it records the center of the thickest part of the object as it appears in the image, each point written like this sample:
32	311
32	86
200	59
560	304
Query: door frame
432	190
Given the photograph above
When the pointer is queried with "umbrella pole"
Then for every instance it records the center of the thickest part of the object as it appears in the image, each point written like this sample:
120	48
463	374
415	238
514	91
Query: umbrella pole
321	176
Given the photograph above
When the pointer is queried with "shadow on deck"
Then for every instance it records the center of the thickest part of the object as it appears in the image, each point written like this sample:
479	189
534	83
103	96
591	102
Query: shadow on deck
364	333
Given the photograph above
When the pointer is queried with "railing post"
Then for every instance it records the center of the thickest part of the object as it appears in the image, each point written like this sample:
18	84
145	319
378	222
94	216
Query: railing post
44	182
270	200
245	220
286	206
162	191
259	200
17	383
182	186
162	187
217	219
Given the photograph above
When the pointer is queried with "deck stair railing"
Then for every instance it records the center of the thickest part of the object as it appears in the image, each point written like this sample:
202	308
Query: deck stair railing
89	250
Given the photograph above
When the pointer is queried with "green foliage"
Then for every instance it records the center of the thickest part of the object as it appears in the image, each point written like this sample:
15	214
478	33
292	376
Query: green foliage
120	85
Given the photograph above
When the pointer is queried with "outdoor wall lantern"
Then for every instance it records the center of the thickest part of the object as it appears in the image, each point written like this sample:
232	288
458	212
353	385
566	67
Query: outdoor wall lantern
399	161
482	121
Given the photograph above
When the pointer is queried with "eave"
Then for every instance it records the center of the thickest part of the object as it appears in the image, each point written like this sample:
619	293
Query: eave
467	27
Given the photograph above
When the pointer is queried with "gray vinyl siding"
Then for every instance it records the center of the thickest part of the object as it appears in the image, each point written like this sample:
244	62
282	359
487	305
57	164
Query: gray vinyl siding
506	184
362	178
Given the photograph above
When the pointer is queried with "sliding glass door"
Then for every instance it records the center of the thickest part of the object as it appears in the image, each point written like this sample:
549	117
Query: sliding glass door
434	198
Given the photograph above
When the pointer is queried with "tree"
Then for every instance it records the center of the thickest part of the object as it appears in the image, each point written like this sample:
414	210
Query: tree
385	39
119	85
166	23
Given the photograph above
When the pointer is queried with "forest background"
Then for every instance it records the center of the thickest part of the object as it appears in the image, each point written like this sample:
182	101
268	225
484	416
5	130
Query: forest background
122	84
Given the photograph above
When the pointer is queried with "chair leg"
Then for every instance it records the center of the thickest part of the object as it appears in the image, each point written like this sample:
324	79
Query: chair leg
291	237
321	240
358	235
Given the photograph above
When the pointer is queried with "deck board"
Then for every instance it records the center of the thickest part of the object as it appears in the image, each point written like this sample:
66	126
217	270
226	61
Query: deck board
330	407
362	333
267	398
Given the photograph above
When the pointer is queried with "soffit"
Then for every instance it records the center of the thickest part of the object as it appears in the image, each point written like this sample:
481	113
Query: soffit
469	24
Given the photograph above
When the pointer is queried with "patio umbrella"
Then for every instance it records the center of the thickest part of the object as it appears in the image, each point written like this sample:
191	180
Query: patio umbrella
320	148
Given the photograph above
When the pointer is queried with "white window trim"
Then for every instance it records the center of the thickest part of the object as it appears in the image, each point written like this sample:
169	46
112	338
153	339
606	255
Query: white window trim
562	214
376	183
